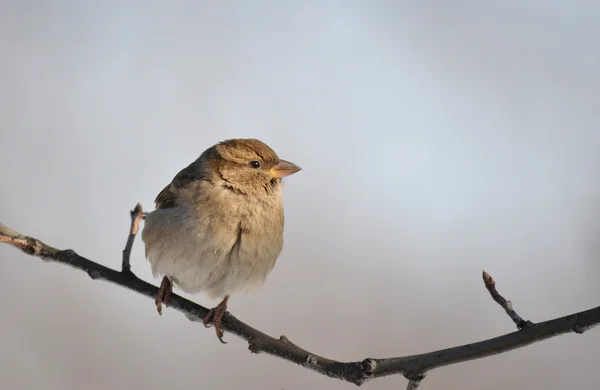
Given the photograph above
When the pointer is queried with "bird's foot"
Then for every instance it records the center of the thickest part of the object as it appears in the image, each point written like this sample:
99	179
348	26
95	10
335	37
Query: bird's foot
164	293
215	315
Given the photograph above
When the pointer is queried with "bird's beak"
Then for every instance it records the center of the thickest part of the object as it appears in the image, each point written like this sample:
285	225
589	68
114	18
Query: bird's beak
284	168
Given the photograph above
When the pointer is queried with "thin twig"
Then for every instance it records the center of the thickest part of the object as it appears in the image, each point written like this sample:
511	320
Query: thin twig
412	367
136	217
490	284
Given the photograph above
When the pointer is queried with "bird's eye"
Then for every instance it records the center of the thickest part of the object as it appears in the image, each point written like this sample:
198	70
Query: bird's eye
255	164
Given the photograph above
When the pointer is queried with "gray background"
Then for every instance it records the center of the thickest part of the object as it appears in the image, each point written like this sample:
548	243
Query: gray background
436	141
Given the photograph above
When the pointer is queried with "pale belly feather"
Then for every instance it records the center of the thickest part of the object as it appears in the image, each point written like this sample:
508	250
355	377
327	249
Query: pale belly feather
217	259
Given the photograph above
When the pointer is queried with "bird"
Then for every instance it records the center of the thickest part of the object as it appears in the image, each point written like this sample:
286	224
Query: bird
217	227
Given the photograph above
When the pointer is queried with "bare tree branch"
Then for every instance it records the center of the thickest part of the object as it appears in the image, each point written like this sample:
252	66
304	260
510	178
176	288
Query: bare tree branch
412	367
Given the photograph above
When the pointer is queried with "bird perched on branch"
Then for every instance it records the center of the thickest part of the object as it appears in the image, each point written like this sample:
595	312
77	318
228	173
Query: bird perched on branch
218	226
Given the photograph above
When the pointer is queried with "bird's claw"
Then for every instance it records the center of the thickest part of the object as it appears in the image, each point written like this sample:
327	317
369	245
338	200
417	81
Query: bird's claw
164	293
158	305
215	315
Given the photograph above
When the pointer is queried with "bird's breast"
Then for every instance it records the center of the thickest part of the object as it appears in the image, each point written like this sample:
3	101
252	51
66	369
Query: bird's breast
215	247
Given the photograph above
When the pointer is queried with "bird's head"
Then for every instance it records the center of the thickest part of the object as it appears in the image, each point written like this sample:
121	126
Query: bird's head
250	166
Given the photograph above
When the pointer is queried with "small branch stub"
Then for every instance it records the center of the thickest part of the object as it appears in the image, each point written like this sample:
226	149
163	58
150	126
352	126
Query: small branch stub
368	366
414	381
490	284
136	216
253	348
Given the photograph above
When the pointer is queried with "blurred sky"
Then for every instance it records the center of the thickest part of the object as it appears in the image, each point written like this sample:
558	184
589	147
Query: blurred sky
436	141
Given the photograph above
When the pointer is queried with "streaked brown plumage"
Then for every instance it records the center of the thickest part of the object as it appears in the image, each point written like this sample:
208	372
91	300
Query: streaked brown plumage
218	226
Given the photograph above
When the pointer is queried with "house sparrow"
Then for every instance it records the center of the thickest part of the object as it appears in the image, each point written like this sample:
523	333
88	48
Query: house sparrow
218	226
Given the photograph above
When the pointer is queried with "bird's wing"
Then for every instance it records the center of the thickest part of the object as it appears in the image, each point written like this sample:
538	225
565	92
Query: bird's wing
167	198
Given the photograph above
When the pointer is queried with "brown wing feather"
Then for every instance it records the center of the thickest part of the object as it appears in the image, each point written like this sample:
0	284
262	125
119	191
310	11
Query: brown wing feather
167	198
